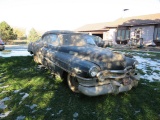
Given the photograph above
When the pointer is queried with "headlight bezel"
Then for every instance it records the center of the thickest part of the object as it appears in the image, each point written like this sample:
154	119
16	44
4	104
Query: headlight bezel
93	71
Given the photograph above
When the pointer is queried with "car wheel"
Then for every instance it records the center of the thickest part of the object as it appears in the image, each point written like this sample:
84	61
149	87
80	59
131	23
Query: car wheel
73	83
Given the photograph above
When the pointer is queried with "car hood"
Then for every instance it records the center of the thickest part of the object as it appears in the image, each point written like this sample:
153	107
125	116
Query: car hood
104	58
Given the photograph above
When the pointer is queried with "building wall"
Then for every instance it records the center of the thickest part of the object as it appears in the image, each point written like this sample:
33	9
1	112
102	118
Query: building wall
110	35
146	34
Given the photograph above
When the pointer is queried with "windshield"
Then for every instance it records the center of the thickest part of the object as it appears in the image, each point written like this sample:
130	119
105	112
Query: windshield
77	40
90	40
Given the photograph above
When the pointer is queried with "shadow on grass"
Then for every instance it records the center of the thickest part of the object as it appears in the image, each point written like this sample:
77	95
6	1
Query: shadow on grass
54	100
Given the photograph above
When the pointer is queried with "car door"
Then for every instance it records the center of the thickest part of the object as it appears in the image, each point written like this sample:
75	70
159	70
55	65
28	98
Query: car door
39	48
50	51
51	48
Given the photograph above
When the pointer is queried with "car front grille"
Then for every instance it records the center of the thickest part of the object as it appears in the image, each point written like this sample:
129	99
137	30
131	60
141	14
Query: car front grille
116	74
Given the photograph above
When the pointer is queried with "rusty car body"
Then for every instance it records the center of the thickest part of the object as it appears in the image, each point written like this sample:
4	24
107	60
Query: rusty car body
88	69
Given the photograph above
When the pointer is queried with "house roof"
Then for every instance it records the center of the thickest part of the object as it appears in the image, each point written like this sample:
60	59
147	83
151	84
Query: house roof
138	20
129	21
93	27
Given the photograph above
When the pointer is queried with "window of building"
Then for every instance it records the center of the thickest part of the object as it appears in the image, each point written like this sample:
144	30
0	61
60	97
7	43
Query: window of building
127	34
157	33
123	34
119	35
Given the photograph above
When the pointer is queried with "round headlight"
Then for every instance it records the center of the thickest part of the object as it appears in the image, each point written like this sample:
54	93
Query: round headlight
93	71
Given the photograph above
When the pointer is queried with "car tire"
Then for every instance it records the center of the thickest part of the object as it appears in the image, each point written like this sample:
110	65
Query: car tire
73	83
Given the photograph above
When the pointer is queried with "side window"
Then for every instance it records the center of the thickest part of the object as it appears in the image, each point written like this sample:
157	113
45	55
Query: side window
46	38
65	40
155	33
127	34
54	39
123	34
119	35
158	34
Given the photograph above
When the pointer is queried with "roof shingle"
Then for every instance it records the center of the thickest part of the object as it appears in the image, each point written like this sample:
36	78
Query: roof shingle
129	21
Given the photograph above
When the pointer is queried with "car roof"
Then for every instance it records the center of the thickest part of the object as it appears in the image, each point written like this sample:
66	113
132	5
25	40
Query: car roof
61	32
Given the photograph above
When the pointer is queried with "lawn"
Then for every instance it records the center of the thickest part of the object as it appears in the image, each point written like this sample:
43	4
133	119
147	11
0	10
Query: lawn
29	93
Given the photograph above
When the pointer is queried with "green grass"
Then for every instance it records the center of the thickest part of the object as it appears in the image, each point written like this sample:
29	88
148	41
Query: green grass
20	73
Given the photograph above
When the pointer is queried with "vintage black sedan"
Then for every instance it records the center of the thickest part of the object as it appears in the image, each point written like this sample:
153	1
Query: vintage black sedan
88	69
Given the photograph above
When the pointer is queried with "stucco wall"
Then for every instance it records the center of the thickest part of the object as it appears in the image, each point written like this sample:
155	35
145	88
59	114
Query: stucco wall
147	34
110	35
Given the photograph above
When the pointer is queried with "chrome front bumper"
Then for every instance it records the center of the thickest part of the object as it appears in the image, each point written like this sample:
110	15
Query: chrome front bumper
109	81
114	87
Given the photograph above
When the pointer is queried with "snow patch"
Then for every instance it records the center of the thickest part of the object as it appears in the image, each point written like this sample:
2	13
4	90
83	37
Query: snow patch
136	112
75	115
156	88
20	102
3	92
20	117
2	105
5	99
48	109
34	111
16	91
24	69
5	86
2	115
20	52
59	112
25	96
150	68
32	106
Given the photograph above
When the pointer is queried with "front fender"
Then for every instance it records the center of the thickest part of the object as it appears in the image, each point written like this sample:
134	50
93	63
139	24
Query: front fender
129	61
73	64
81	67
